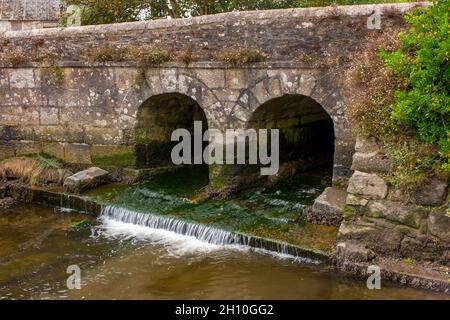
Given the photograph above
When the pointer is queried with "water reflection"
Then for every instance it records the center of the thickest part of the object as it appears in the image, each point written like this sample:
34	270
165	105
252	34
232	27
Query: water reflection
119	262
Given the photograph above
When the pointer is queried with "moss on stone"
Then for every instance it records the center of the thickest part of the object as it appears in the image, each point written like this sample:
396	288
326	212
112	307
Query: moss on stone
122	159
348	212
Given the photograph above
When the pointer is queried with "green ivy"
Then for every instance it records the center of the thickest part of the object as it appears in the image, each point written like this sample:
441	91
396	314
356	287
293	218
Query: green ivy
422	63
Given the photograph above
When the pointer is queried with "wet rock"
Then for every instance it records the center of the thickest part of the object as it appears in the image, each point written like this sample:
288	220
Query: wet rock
423	248
6	202
85	180
327	208
380	236
355	252
367	184
431	193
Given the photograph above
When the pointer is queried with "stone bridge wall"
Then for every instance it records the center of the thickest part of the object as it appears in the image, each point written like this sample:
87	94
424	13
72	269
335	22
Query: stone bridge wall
28	14
92	112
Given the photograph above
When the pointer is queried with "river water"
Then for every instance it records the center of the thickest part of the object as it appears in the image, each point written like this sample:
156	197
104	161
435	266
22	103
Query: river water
124	261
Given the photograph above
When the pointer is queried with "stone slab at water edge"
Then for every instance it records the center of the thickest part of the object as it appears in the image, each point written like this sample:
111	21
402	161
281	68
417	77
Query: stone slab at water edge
86	179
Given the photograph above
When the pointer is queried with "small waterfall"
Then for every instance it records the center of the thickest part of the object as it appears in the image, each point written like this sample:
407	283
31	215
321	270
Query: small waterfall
209	234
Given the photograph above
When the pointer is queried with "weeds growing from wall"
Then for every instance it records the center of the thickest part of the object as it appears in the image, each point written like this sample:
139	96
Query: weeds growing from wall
241	56
187	55
49	68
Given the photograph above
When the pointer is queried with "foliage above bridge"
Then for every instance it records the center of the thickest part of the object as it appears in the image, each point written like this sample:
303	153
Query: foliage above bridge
113	11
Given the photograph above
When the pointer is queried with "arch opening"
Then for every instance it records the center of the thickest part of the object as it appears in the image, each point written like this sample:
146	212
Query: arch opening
157	118
306	133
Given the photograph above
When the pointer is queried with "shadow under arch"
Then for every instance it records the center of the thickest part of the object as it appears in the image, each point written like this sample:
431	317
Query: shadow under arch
307	138
157	118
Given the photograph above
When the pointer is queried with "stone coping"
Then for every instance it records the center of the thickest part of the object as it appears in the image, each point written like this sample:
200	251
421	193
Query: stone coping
174	64
237	17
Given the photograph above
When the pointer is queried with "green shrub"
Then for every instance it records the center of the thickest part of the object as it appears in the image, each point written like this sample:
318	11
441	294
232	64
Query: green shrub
422	103
399	94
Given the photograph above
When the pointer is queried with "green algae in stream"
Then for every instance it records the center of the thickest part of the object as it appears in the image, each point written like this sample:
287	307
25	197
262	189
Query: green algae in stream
115	159
276	212
80	225
184	182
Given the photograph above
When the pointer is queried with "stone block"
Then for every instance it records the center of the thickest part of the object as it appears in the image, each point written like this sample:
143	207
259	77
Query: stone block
68	133
55	149
21	78
77	153
103	136
236	79
355	200
439	225
432	193
49	116
85	180
369	144
327	208
7	150
8	133
212	78
371	162
393	211
353	251
113	155
108	150
27	147
369	185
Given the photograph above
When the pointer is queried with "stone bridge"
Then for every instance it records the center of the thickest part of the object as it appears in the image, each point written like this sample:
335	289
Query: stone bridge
99	110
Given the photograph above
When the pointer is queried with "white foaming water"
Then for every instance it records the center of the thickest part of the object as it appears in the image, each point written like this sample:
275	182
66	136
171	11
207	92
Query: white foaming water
182	237
176	244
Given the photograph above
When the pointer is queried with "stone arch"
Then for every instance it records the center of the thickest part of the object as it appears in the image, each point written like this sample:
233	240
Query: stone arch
159	81
306	131
313	84
157	118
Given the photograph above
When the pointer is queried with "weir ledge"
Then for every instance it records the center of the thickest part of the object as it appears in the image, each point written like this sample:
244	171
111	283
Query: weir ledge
90	206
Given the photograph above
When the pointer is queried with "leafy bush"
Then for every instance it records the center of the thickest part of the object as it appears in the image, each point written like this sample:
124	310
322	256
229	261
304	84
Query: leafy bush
112	11
399	94
422	103
104	12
